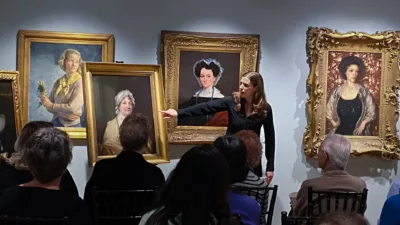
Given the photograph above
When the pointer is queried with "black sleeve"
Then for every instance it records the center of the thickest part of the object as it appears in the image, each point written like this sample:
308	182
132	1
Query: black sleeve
269	135
206	108
68	184
160	179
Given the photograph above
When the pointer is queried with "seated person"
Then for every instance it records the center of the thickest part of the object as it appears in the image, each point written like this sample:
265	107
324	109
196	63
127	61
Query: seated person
14	171
342	218
390	211
129	169
234	151
333	156
195	191
47	154
254	152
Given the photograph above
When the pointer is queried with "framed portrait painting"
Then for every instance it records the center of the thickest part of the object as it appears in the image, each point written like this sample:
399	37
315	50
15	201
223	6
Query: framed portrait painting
51	76
10	110
113	91
353	90
202	67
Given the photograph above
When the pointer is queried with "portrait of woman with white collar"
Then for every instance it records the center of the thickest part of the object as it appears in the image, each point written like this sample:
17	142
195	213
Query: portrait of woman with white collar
207	72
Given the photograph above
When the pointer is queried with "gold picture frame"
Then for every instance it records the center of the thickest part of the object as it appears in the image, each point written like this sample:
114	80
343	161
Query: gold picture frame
11	107
103	81
46	47
179	50
371	124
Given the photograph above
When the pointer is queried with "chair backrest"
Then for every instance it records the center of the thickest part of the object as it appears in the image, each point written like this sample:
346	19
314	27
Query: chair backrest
320	202
289	220
122	206
236	219
17	220
261	195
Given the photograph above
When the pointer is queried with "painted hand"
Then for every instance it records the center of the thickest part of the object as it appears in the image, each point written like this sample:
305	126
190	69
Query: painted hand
360	129
45	101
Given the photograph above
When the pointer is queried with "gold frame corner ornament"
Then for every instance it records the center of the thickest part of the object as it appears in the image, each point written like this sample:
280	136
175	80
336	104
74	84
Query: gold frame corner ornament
319	42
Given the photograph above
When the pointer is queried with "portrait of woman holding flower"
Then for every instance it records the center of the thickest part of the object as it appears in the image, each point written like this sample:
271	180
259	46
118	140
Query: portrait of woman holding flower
65	100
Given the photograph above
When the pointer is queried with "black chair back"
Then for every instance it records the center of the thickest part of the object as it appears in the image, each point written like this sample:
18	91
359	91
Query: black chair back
235	220
261	195
121	206
16	220
320	202
290	220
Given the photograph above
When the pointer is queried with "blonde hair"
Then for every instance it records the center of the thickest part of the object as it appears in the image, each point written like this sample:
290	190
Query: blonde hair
64	56
260	105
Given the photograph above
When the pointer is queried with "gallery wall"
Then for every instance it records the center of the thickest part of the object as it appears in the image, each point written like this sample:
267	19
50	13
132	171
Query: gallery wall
282	26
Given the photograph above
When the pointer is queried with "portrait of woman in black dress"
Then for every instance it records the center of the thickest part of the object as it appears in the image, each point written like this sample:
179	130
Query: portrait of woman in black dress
350	107
247	109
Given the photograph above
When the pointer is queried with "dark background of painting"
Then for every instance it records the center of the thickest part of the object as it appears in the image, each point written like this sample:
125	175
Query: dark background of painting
105	88
44	66
372	79
188	84
9	135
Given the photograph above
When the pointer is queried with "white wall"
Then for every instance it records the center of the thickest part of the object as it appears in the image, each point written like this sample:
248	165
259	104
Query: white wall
282	26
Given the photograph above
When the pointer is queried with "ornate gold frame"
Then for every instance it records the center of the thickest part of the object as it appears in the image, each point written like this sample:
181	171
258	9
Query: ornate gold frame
322	40
172	43
25	37
157	96
13	77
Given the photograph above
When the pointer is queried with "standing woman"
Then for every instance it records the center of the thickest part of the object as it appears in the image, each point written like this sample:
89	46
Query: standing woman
248	109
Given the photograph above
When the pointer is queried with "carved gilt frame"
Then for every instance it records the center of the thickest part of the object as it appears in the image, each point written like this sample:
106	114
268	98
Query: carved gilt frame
13	77
172	43
157	97
386	44
26	37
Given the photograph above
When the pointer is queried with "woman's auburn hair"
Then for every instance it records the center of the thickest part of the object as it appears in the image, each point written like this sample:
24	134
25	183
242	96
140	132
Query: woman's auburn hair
260	105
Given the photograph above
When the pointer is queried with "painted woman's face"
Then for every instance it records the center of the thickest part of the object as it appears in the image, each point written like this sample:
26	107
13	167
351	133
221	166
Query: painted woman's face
352	73
206	78
71	63
125	107
246	88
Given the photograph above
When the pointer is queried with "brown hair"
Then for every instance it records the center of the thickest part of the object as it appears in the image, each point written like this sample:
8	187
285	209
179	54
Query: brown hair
259	100
342	218
253	146
134	133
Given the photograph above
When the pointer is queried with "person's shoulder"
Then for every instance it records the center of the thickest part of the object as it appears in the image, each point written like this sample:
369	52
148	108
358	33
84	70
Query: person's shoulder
11	191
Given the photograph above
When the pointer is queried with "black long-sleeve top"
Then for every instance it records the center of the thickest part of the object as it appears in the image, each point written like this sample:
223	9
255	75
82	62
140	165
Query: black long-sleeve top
238	121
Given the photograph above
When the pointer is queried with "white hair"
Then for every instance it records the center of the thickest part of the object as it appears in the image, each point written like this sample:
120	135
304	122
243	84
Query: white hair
338	149
120	96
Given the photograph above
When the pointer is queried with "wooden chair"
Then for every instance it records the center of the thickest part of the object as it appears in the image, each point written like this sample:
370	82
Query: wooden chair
121	206
320	202
16	220
261	194
290	220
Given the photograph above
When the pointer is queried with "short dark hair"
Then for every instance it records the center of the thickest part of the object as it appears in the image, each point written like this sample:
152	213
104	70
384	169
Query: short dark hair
235	153
48	153
342	218
352	60
134	132
212	66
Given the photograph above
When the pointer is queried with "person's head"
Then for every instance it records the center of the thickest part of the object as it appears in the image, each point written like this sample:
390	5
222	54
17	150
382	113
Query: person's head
208	72
235	153
252	85
70	61
17	158
342	218
253	146
48	153
334	152
124	103
134	133
196	188
352	68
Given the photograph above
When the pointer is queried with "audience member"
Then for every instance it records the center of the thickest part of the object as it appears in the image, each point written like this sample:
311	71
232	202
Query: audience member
129	169
234	151
13	169
333	155
254	152
390	212
195	191
47	154
342	218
